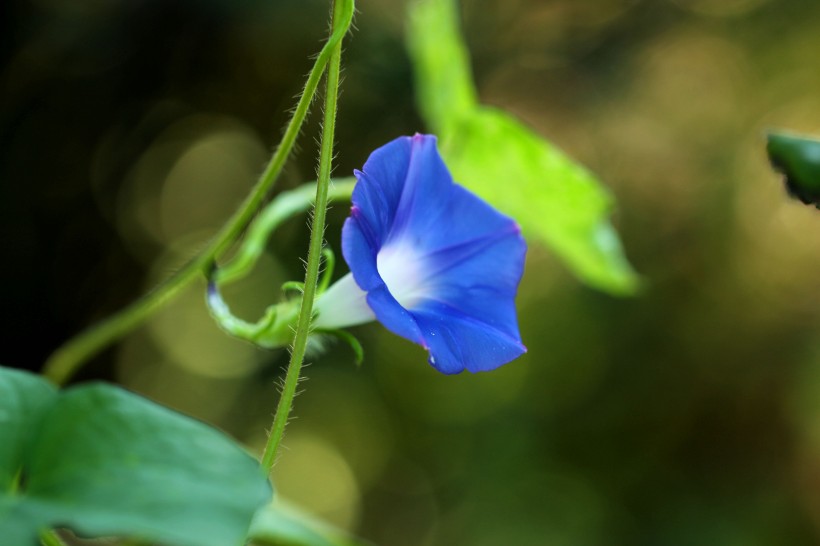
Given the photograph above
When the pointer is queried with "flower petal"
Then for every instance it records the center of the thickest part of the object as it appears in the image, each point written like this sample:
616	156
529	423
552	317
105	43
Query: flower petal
483	285
425	192
393	316
360	251
441	267
379	188
457	342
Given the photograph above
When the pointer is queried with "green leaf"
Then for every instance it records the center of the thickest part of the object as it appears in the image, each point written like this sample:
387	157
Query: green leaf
104	461
24	399
282	524
556	200
798	158
19	522
444	81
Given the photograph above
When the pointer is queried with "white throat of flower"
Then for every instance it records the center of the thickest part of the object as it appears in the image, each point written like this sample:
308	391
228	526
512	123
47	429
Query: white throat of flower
345	304
401	268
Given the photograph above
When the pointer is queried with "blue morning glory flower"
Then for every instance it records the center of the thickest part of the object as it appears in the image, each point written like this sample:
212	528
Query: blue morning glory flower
430	260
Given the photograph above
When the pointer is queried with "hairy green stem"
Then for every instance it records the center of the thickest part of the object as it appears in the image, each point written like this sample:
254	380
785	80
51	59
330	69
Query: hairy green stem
66	360
317	234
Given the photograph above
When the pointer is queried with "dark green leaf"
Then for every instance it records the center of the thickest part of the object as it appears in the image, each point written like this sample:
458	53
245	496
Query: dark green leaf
798	158
108	462
19	521
24	398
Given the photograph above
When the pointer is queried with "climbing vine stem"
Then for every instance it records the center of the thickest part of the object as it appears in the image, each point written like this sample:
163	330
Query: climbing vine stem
297	356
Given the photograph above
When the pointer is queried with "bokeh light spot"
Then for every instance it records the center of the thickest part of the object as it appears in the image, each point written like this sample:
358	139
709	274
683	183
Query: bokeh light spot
312	473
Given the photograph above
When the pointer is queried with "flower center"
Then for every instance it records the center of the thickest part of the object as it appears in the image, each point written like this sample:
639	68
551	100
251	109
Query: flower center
401	268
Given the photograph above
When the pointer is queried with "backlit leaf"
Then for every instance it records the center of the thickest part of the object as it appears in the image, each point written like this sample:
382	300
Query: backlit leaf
556	200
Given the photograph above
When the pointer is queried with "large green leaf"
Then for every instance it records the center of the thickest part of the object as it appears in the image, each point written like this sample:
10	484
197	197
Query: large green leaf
556	200
24	399
19	521
281	524
104	461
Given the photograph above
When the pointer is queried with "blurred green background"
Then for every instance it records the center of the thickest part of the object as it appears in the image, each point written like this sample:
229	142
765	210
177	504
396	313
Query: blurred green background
688	415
